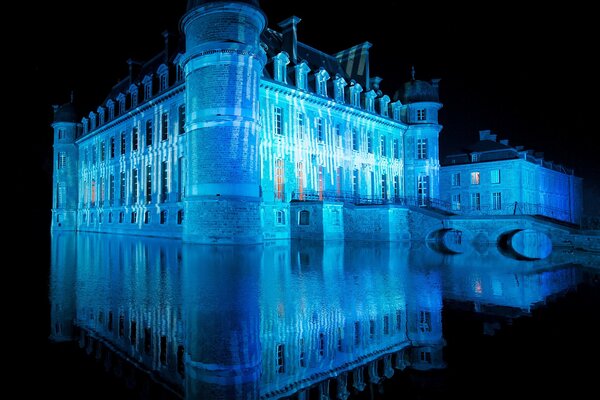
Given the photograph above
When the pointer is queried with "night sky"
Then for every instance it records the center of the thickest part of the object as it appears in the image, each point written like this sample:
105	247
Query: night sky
526	74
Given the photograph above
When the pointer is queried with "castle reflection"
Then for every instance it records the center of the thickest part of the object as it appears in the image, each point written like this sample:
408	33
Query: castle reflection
280	320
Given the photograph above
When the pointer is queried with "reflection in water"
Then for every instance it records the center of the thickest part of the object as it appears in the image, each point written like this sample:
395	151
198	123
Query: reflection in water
244	322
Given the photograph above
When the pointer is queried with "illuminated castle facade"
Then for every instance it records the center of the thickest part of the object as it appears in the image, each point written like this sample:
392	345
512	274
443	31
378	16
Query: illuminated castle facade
246	135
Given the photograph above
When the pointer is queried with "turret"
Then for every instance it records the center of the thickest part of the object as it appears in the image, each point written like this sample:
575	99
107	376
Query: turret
420	106
65	159
223	65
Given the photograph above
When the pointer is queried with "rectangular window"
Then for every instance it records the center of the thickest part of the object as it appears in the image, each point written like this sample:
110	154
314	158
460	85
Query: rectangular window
61	134
396	186
280	358
181	121
370	142
386	324
62	160
474	157
134	186
123	139
354	140
321	344
383	146
320	130
162	355
371	328
280	217
148	184
111	190
474	178
384	186
300	180
122	189
425	321
147	91
61	194
338	136
320	184
279	180
355	188
396	149
497	201
148	133
426	356
301	125
179	217
398	320
102	151
421	115
456	202
339	179
180	176
112	147
357	332
476	201
423	190
94	154
277	120
422	149
456	179
163	82
135	139
164	127
495	176
164	181
163	217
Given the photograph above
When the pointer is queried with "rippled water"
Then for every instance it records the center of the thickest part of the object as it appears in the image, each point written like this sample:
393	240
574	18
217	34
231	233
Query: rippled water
154	318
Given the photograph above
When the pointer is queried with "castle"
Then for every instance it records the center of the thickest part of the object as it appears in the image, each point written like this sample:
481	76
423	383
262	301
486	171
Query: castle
247	135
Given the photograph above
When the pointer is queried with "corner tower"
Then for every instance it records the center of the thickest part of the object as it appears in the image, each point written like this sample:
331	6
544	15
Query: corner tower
223	64
420	106
64	177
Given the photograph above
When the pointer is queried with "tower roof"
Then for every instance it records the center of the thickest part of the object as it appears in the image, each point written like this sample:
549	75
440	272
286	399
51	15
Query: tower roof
65	113
415	91
197	3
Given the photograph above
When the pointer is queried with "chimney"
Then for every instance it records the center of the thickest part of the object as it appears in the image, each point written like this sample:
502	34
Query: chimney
290	37
486	134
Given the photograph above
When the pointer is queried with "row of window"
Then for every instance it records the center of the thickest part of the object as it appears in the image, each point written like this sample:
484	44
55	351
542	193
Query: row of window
163	217
131	100
280	349
135	139
95	193
476	177
496	201
337	136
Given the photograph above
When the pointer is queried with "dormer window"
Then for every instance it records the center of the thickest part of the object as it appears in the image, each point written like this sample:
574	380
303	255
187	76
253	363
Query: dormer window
339	84
111	109
370	100
122	105
163	75
396	106
280	62
302	70
147	82
101	116
92	120
322	77
474	157
86	125
383	105
179	73
61	134
421	115
355	91
133	91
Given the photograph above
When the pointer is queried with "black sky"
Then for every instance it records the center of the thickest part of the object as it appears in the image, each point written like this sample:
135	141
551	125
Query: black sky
528	74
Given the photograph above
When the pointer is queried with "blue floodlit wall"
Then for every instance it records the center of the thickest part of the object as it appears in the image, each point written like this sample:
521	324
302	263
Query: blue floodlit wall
193	149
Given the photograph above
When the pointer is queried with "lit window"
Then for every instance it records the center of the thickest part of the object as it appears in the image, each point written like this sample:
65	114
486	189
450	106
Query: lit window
425	321
320	129
182	119
62	160
476	201
495	176
383	146
164	127
280	217
149	133
422	149
421	115
455	202
300	124
474	178
303	217
277	119
456	179
497	201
